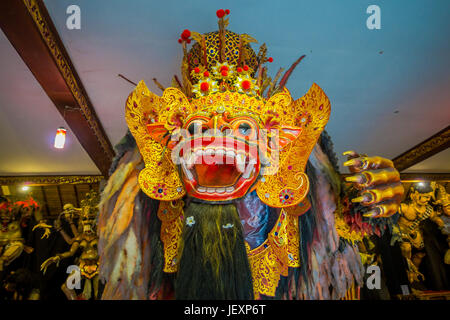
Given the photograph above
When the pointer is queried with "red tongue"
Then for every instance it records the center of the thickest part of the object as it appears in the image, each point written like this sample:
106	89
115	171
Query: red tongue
216	175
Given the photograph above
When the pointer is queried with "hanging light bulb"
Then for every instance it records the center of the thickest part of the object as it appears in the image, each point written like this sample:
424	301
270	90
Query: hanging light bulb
60	138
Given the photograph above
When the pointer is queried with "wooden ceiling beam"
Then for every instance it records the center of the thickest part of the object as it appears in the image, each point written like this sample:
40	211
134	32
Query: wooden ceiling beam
49	180
417	176
431	146
29	28
413	177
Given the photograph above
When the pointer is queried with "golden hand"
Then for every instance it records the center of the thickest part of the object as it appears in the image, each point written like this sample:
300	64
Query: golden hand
44	226
378	182
413	273
48	262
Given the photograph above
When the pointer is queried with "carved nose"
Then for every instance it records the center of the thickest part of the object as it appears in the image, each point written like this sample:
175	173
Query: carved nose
219	123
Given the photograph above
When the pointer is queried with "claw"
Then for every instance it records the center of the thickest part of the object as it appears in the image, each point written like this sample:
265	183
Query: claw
372	163
363	198
375	213
350	153
46	234
379	163
355	179
381	176
358	199
380	195
352	163
384	210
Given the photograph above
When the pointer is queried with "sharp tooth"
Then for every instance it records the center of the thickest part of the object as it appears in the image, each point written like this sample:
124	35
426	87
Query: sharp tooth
220	152
190	159
240	162
220	190
187	172
230	189
209	152
211	190
201	189
247	173
249	169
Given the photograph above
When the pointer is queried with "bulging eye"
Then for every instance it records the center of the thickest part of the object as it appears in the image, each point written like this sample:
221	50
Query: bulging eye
245	129
195	128
191	128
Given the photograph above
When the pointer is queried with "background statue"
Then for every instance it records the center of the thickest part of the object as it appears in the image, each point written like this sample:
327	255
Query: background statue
14	217
415	214
83	244
443	206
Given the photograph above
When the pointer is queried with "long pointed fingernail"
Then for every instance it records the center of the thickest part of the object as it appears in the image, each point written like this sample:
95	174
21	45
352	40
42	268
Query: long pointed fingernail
356	179
348	152
371	214
359	199
352	162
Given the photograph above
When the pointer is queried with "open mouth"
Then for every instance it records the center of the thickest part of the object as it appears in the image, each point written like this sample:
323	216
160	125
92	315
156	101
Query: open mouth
219	171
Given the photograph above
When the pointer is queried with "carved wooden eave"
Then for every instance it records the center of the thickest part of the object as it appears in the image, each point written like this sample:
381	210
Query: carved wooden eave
417	176
50	180
431	146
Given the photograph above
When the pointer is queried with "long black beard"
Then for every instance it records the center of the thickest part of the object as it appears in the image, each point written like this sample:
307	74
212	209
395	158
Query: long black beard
213	258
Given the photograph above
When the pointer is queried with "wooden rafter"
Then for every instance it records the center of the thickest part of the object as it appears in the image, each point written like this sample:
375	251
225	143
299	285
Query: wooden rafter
441	177
49	180
419	176
431	146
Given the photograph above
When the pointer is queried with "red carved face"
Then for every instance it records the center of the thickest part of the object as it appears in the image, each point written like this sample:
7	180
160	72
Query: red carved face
219	157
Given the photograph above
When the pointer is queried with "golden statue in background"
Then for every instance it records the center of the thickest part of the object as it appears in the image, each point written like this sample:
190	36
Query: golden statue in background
443	203
416	209
14	216
85	240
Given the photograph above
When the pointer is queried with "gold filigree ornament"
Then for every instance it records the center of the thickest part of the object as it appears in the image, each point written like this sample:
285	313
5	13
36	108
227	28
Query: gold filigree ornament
274	256
285	184
151	120
171	215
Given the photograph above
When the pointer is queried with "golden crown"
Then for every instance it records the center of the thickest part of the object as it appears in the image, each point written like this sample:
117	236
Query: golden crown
222	60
